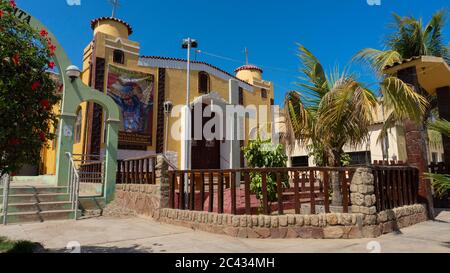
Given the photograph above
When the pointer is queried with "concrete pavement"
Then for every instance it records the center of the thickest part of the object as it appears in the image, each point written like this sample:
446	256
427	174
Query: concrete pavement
137	235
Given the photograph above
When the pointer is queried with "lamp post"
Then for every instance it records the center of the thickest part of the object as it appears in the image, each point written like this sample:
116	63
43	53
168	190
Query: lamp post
168	106
188	44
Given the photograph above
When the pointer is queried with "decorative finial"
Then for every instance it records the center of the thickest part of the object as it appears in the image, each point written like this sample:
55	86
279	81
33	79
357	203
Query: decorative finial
115	4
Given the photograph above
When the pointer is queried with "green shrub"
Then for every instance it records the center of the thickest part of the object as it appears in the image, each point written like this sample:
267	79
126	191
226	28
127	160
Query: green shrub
18	247
263	154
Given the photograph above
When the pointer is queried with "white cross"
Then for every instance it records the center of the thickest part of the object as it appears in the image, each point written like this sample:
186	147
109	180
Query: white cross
115	4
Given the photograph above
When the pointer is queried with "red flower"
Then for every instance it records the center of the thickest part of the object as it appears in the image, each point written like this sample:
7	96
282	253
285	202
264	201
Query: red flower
16	59
12	3
42	136
44	33
52	48
45	103
1	13
15	141
51	65
35	85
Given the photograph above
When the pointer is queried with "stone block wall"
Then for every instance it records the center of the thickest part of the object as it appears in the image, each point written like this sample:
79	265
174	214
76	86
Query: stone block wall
321	226
364	221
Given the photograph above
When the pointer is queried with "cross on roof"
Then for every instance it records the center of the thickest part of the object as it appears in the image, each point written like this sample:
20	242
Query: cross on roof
115	4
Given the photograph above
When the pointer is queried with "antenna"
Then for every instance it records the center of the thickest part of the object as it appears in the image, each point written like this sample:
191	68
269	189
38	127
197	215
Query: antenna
115	4
246	56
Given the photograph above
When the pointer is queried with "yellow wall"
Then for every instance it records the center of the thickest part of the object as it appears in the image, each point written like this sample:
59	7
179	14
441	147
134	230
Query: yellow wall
105	37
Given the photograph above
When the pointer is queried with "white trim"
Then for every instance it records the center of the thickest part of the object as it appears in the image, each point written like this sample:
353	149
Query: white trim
119	40
181	65
124	50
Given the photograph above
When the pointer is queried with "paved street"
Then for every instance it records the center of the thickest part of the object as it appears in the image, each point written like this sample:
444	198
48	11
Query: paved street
135	235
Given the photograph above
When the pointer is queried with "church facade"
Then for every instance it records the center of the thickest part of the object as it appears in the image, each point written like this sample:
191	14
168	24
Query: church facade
142	86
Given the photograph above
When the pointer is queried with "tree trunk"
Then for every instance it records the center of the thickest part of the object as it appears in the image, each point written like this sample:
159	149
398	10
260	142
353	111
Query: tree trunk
416	139
337	198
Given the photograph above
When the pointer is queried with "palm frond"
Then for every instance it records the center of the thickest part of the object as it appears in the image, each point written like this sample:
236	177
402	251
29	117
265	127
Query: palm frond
402	99
441	184
378	60
313	80
440	125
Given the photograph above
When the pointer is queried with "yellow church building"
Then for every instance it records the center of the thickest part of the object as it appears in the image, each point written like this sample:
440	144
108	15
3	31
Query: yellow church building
143	85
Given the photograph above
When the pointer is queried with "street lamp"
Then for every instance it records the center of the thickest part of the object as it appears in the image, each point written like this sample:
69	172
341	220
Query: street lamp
168	106
188	44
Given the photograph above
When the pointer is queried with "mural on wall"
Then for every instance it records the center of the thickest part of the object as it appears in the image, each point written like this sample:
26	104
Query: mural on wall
134	93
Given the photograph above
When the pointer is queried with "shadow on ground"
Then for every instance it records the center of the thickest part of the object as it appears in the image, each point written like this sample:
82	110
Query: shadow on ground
105	249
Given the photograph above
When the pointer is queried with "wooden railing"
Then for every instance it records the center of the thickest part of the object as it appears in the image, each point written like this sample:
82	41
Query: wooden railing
395	186
229	191
91	172
137	171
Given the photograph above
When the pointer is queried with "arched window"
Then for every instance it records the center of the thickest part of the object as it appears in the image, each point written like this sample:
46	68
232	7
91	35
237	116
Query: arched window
118	56
78	123
264	93
203	83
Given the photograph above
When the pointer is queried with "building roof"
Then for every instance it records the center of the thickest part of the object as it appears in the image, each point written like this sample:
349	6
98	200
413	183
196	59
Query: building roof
402	62
195	62
432	72
95	21
249	67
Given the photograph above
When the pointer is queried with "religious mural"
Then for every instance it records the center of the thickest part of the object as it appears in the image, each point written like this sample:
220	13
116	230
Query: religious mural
134	93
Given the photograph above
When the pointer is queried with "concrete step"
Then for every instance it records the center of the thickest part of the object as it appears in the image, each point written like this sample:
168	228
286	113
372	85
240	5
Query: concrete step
36	198
42	207
36	190
30	217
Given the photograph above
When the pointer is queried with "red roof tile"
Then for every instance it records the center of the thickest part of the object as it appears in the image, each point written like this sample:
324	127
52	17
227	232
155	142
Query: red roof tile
248	67
194	62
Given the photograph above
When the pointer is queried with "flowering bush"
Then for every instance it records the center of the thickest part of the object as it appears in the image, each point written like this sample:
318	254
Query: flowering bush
27	92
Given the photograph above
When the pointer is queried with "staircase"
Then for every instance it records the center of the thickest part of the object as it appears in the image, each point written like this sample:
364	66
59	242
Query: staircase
37	204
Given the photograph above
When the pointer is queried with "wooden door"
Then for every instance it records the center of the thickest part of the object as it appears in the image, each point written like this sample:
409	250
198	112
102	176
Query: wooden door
205	154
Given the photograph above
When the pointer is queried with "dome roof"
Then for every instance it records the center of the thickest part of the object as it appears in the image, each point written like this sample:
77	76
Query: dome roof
95	21
248	67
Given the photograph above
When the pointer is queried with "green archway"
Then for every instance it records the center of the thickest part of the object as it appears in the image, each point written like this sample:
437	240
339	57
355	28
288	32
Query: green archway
76	92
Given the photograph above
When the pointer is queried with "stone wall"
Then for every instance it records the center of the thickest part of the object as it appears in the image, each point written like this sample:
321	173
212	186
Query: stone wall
322	226
145	200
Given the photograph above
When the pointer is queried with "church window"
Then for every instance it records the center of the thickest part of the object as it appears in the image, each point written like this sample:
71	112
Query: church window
119	57
203	83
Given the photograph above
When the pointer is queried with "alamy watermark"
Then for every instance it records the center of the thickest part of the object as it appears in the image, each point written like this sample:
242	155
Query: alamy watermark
225	122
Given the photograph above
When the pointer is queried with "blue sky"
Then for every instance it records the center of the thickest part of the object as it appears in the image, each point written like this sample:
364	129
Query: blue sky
333	30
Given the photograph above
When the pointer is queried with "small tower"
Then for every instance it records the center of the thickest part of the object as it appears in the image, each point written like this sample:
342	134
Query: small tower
249	73
112	27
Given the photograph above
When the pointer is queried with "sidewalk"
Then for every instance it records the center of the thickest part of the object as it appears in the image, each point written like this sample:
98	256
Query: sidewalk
137	235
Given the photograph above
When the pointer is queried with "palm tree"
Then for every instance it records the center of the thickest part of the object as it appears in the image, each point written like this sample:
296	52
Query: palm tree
333	110
441	182
411	38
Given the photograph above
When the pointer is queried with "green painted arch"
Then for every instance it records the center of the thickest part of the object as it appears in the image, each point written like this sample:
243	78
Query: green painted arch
75	92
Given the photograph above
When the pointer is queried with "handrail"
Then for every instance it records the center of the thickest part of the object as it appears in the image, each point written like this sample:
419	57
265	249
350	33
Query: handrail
74	185
6	183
